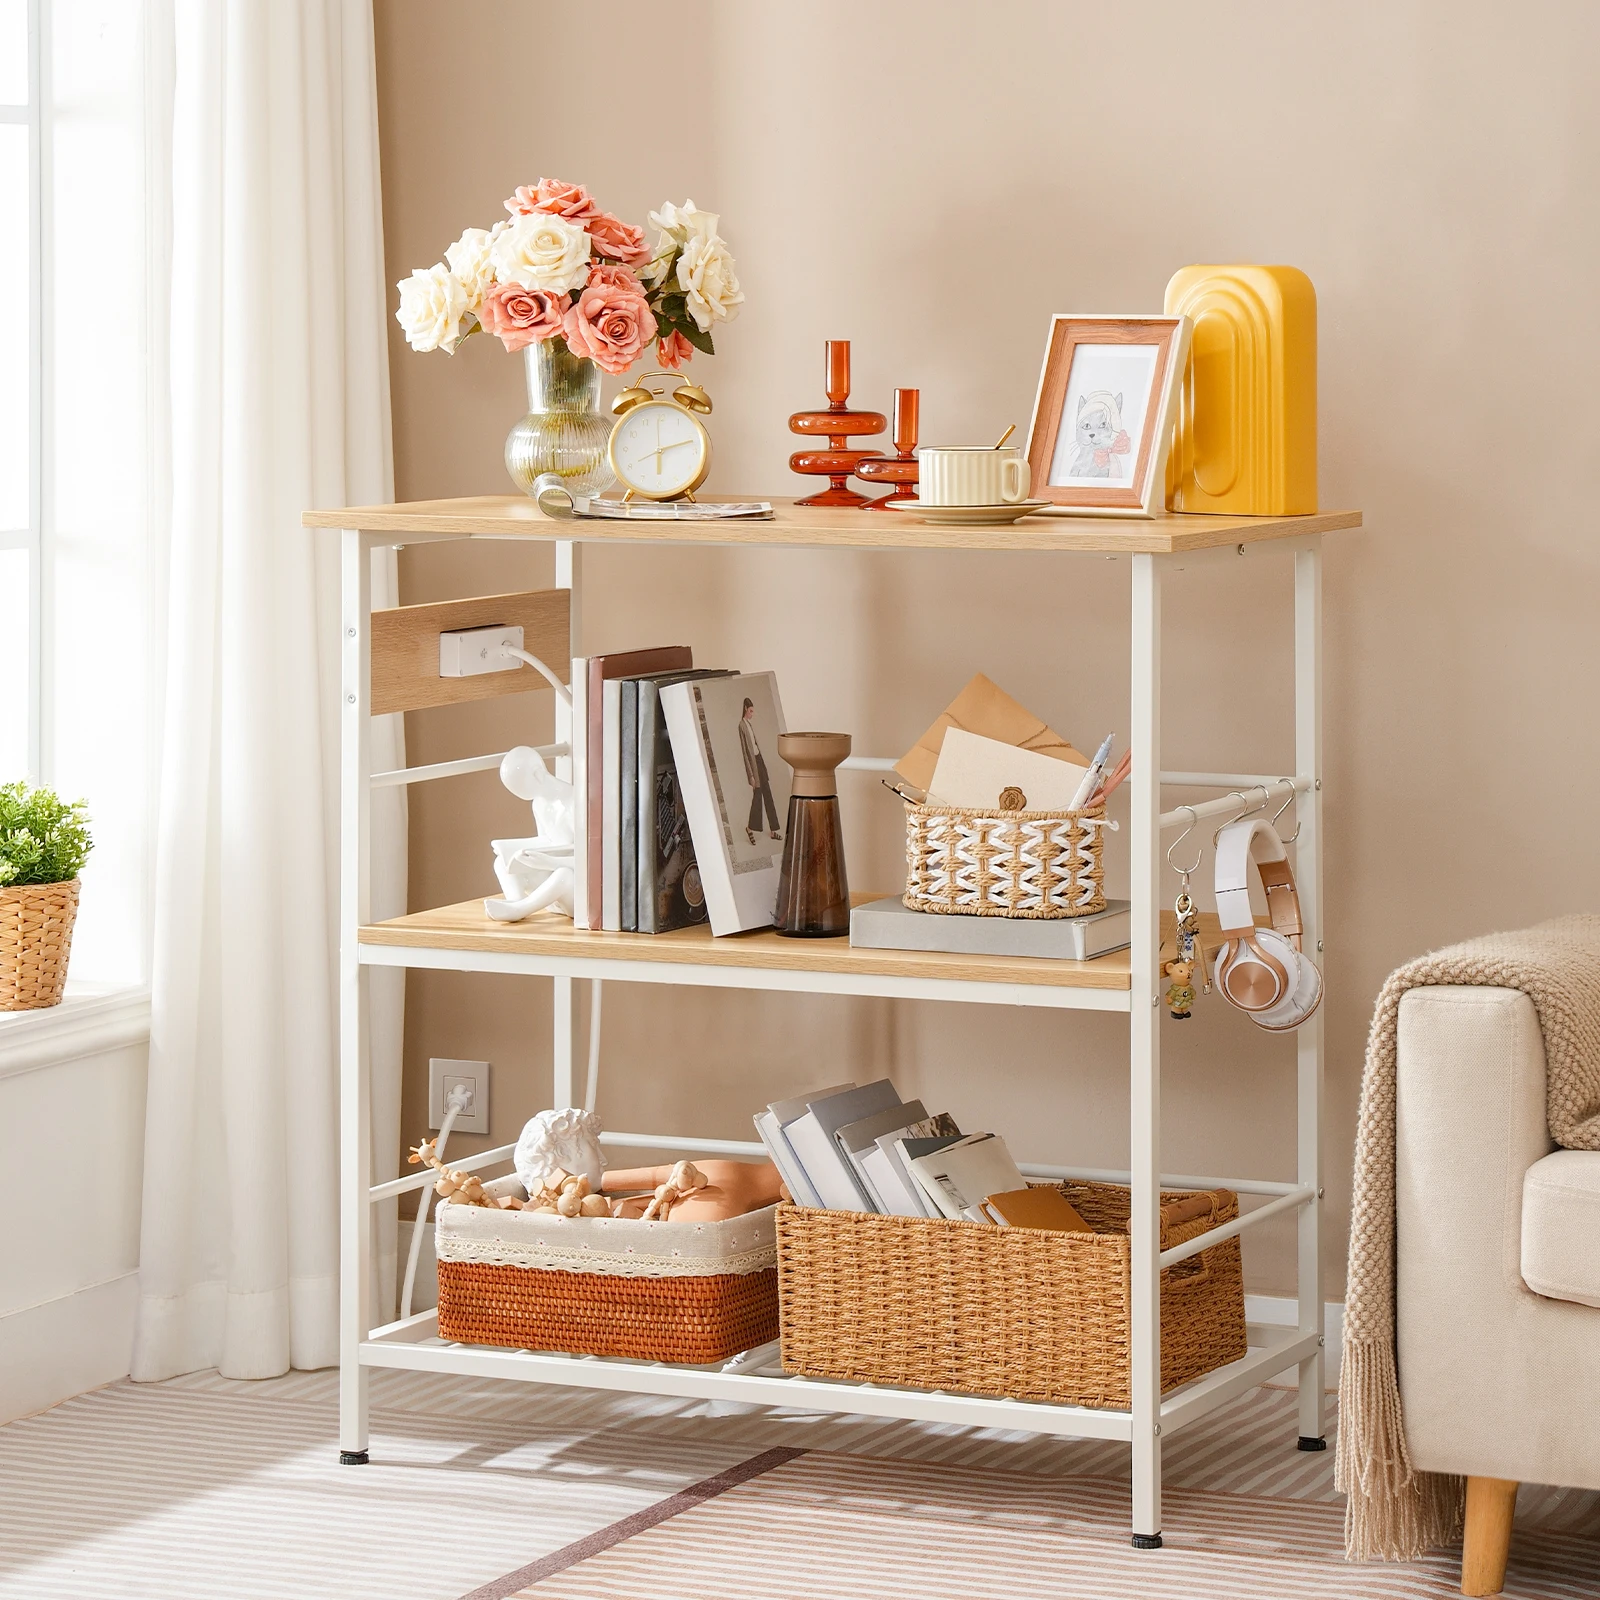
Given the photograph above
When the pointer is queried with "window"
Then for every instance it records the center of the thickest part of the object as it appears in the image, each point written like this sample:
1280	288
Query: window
21	278
76	482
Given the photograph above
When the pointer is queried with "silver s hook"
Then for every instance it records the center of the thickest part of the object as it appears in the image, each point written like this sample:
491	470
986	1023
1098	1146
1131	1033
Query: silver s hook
1249	810
1194	822
1289	800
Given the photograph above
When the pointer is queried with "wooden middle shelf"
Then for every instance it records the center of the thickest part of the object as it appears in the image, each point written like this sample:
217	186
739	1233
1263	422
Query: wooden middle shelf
462	938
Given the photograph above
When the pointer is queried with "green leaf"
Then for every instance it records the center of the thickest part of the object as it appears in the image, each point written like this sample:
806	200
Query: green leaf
43	839
690	329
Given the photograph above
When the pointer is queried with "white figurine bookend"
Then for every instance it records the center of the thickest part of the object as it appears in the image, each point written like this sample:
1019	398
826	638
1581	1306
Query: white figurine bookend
535	874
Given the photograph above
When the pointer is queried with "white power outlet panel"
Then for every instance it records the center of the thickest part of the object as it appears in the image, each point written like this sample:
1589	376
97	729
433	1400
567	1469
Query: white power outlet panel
443	1076
470	652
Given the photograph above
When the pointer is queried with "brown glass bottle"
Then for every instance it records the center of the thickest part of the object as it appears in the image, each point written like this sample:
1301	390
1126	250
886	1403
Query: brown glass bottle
813	892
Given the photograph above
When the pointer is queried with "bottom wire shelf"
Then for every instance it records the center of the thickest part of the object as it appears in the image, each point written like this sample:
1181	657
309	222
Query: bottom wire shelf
755	1378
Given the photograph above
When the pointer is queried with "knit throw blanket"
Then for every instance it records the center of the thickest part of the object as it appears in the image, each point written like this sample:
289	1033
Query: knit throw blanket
1394	1512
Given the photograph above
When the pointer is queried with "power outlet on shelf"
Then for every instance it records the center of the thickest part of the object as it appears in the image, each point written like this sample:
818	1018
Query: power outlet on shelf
445	1075
470	652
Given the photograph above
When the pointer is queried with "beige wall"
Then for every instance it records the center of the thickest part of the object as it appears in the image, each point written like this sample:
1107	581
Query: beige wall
933	181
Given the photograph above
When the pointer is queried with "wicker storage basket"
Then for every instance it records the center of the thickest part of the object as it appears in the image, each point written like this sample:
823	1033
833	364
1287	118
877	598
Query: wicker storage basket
1005	863
1020	1313
35	941
601	1286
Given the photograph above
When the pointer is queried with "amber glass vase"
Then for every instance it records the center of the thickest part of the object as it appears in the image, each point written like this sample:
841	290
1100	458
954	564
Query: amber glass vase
813	892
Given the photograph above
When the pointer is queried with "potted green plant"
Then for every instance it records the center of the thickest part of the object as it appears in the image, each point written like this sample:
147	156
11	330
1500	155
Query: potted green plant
44	841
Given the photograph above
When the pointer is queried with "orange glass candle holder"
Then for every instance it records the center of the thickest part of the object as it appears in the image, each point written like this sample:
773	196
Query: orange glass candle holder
836	424
899	469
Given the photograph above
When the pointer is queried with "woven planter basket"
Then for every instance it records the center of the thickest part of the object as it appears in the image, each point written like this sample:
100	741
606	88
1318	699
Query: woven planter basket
1035	864
602	1286
35	941
1019	1313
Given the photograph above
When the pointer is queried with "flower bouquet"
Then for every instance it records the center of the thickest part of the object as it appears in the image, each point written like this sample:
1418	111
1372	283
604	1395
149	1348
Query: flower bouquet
579	292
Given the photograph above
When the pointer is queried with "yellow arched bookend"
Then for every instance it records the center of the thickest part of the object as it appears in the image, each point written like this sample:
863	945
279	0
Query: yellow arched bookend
1246	442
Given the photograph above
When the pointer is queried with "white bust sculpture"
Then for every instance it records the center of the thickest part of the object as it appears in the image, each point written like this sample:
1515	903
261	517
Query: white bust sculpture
535	874
567	1139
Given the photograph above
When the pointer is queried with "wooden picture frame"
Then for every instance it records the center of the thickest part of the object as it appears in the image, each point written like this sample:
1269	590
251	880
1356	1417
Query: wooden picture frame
1134	380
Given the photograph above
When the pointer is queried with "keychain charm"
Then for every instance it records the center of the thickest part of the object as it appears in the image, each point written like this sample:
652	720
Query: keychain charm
1188	952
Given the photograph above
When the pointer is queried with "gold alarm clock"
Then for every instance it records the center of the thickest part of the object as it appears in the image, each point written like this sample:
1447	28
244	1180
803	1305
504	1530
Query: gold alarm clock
659	448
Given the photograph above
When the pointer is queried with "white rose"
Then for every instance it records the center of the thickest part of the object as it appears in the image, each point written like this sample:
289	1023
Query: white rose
468	258
681	223
705	273
432	304
539	251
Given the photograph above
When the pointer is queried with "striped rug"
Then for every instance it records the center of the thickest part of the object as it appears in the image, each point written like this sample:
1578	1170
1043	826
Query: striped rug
798	1526
210	1489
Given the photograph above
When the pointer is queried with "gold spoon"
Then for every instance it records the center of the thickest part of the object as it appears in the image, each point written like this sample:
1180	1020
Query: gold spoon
1006	435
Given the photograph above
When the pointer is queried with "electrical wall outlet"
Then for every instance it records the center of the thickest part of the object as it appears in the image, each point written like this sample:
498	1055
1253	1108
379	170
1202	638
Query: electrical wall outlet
443	1076
469	652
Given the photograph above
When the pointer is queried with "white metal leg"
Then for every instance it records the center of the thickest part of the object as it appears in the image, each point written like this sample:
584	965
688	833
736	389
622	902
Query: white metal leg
1144	831
355	906
1308	879
569	576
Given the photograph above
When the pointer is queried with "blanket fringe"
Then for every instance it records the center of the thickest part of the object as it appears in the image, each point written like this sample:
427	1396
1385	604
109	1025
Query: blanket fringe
1392	1511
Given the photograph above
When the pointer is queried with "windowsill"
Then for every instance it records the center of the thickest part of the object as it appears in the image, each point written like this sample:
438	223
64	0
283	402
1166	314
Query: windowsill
91	1019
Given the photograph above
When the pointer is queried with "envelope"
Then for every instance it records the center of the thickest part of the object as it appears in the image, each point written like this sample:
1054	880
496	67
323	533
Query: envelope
972	771
984	708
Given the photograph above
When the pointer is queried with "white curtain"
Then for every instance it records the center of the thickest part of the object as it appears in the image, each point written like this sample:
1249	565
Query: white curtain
268	277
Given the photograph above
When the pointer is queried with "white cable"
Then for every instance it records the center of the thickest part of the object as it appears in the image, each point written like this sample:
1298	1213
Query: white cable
539	666
594	1045
460	1099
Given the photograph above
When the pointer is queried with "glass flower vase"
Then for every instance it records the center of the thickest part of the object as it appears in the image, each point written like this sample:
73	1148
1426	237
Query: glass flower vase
563	438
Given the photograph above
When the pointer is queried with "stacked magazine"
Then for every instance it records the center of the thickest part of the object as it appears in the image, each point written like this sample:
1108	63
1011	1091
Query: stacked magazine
863	1148
681	796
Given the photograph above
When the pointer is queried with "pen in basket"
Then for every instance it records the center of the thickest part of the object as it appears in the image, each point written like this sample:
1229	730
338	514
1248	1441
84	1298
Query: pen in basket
1091	779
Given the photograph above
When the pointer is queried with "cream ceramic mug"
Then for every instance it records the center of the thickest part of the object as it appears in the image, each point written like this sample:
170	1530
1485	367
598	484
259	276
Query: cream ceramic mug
971	475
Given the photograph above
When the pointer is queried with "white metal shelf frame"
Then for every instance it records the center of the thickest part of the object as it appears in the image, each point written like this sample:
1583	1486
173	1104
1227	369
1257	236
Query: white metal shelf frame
414	1345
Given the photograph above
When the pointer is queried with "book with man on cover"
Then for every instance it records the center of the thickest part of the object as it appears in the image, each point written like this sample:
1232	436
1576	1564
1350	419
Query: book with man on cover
724	734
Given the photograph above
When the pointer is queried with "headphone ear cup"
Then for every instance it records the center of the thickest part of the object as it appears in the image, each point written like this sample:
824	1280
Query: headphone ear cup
1252	973
1300	1000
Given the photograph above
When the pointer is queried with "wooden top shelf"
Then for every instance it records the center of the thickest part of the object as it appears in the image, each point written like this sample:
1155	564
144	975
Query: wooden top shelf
517	517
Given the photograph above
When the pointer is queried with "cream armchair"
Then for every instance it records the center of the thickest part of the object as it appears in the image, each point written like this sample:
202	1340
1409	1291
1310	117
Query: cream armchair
1498	1265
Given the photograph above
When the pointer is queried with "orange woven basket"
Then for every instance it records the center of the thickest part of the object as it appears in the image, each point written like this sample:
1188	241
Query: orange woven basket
35	942
692	1292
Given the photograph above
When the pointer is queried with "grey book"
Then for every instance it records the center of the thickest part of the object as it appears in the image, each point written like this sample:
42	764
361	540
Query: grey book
667	882
893	925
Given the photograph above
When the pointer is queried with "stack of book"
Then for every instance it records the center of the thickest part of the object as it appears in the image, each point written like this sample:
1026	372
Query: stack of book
850	1148
681	797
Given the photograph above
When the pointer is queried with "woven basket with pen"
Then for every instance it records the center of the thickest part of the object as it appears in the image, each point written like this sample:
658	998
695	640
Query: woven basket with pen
976	845
1005	862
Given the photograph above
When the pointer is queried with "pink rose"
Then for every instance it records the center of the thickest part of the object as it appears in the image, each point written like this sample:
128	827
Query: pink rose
560	199
519	317
674	350
610	325
619	240
608	275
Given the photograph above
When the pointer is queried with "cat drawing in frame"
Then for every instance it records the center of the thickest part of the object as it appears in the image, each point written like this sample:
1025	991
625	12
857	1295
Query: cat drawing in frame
535	874
1100	436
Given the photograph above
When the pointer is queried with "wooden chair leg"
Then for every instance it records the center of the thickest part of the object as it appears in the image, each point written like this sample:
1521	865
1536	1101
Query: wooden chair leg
1490	1503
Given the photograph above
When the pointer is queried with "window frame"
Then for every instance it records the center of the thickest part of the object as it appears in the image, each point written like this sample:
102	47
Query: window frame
31	539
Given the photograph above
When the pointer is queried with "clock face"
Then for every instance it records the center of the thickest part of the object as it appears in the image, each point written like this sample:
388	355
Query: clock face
658	450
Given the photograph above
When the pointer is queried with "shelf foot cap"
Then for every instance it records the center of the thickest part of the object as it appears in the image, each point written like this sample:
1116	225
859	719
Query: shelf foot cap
1147	1541
352	1458
1312	1444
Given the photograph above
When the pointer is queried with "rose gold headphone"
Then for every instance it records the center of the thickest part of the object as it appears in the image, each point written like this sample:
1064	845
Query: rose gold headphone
1262	971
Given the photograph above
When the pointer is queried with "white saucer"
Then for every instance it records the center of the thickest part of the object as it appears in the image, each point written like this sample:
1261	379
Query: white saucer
969	516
